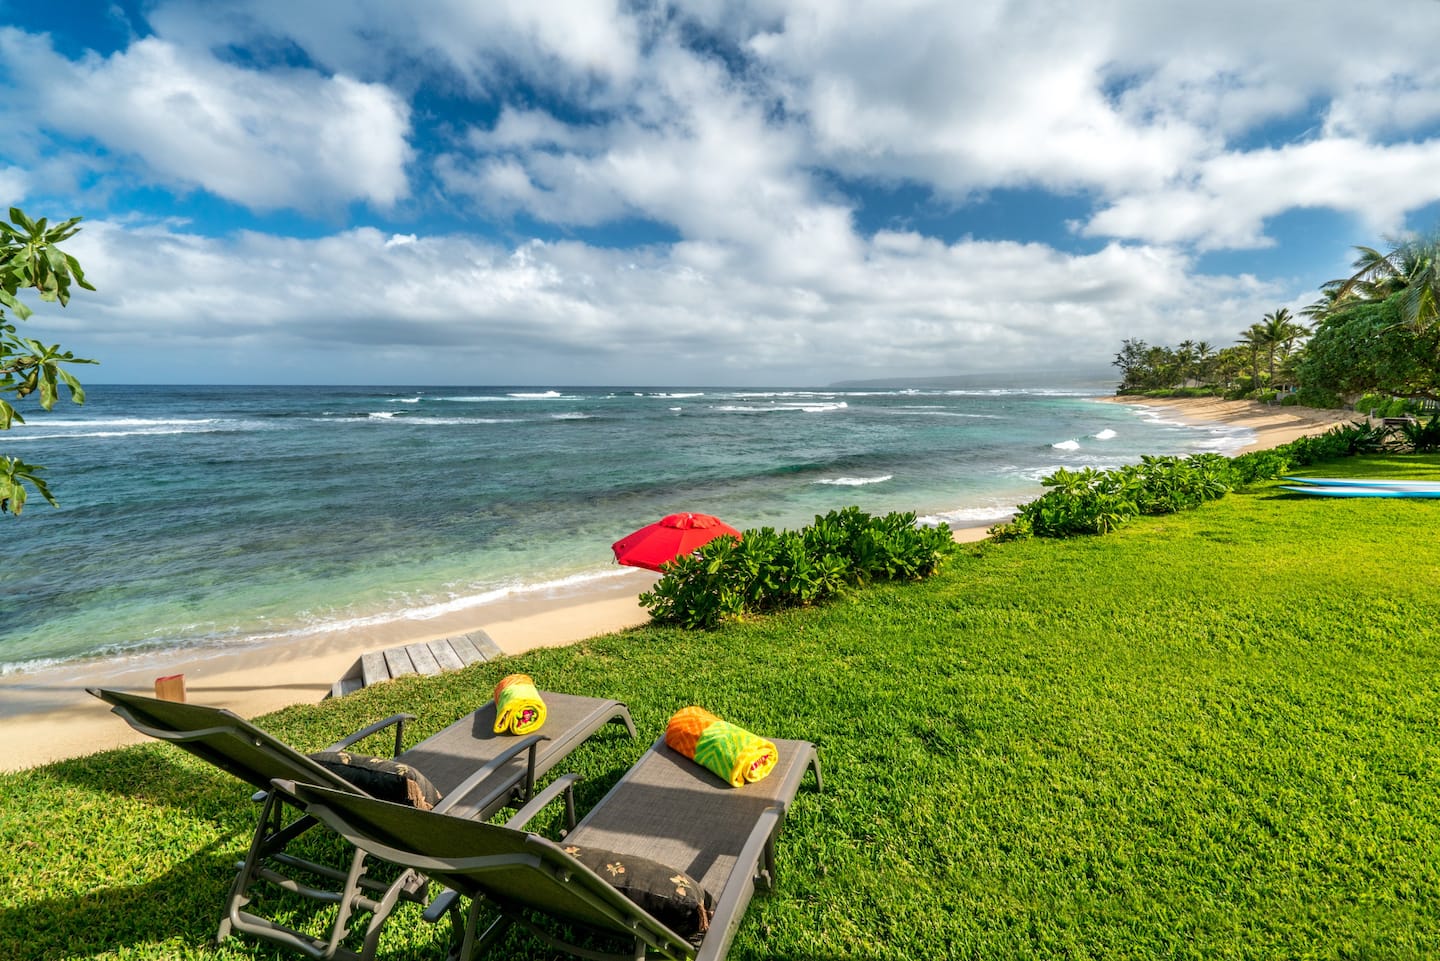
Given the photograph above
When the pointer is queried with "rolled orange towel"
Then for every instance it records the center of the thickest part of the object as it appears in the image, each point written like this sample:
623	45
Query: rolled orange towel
518	707
733	753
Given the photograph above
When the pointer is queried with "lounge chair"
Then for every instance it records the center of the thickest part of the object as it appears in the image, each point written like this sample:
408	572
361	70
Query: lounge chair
666	809
475	771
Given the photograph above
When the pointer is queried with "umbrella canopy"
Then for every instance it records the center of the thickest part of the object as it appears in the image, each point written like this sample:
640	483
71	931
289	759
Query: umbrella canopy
668	538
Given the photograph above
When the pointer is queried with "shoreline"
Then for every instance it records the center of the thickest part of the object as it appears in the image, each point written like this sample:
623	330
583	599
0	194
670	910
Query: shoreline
47	716
1273	425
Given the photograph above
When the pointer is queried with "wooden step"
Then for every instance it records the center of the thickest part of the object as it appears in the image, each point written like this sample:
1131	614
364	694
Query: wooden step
422	657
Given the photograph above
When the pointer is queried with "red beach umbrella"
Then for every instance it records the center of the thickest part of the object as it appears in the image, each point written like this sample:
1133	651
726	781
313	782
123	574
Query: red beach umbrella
668	538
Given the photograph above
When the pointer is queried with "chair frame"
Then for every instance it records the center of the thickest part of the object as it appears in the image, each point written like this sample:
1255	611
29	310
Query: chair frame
368	824
260	759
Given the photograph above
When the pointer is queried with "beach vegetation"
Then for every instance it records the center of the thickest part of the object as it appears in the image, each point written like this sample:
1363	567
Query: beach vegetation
1374	331
769	570
31	259
1365	347
1206	736
1421	436
1090	501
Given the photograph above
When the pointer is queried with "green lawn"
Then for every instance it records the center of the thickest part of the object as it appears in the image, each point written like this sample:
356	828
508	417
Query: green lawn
1208	735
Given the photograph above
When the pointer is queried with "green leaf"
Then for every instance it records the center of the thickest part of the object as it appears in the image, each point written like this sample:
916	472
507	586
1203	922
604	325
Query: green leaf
9	300
77	393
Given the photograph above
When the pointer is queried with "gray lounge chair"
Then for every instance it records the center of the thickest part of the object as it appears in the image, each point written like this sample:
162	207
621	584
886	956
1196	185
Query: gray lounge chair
476	771
665	809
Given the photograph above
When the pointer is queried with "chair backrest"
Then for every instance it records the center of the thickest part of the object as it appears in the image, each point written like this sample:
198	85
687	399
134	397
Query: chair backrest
220	737
508	867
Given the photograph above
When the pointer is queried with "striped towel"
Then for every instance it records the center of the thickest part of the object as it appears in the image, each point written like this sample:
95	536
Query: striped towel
518	708
731	752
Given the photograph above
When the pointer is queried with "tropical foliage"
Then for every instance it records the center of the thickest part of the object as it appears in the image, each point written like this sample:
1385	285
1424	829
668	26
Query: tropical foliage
30	259
1097	502
769	570
1374	331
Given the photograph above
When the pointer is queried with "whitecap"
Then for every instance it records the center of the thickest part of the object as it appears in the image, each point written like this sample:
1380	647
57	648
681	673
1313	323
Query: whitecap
540	395
855	481
1106	434
571	415
1067	445
382	414
968	516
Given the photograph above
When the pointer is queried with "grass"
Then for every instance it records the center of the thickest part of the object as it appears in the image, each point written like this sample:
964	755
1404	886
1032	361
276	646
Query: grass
1208	735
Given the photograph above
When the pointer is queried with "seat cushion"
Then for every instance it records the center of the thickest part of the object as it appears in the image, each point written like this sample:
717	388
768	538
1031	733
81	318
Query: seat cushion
381	778
672	897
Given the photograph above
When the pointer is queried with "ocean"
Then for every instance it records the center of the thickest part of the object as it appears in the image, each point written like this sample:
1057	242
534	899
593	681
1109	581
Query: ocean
203	517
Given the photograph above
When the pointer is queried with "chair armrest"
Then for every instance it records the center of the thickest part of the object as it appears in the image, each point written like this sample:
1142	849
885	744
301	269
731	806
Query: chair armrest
565	783
483	774
397	719
730	905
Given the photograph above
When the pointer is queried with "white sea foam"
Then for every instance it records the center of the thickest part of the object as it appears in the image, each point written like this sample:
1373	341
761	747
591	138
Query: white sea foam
538	395
677	396
771	408
143	432
462	603
571	415
855	481
1067	445
134	427
968	516
129	421
382	414
925	412
1106	434
404	400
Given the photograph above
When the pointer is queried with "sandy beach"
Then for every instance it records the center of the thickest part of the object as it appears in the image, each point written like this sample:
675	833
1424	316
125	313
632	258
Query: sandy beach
47	716
1273	425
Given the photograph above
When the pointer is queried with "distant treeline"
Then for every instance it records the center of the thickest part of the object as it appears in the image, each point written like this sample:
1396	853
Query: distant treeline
1375	332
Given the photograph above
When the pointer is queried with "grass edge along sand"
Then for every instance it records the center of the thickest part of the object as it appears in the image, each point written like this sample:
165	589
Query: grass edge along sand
1208	735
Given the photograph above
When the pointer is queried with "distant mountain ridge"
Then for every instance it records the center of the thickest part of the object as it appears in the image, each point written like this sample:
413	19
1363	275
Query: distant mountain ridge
1072	379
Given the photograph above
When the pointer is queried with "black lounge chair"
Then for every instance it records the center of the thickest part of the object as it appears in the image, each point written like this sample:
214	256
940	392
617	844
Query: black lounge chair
475	771
666	809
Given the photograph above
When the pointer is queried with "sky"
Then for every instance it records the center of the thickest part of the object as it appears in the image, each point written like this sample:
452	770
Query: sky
771	192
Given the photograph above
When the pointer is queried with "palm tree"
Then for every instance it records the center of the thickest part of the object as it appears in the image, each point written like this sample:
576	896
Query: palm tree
1278	332
1254	339
1204	357
1411	266
1185	359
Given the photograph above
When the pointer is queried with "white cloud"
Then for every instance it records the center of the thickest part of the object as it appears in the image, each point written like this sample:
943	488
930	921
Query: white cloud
1227	203
559	44
266	140
14	184
457	309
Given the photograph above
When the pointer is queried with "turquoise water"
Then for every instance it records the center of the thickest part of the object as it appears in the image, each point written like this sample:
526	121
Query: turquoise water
201	516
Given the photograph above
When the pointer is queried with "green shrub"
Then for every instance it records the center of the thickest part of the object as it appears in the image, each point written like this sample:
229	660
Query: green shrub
1088	501
769	570
1421	437
1309	396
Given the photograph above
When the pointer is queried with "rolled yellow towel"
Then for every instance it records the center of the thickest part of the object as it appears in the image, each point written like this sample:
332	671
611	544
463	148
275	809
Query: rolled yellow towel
518	707
733	753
